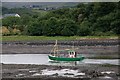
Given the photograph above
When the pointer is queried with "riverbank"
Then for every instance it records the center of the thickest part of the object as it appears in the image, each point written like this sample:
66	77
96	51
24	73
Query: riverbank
101	47
51	72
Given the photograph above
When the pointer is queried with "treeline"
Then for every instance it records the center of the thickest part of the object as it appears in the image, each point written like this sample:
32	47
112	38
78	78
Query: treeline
92	19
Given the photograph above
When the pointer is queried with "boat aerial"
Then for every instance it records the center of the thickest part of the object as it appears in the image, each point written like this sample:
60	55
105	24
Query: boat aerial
64	55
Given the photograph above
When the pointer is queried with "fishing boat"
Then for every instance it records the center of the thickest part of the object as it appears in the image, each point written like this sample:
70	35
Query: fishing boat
64	55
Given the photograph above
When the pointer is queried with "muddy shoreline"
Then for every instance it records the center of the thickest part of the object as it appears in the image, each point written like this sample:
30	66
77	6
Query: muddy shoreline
102	46
13	71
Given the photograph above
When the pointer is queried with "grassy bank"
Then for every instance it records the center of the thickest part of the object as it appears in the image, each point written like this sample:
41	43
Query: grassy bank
32	38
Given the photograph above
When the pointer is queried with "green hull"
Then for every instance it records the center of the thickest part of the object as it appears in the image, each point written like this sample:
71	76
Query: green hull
65	59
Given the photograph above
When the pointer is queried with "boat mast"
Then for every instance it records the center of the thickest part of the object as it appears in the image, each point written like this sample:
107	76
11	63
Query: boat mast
55	48
73	46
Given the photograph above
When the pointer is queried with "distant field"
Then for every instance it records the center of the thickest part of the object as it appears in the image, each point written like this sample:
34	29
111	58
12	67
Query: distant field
41	12
35	38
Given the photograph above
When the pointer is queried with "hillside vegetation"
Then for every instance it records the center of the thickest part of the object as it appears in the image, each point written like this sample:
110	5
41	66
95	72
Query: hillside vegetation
92	19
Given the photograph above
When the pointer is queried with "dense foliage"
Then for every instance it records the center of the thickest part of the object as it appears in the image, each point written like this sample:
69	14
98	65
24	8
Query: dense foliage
84	20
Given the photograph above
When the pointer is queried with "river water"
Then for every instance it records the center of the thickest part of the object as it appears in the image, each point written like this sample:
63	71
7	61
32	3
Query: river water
43	59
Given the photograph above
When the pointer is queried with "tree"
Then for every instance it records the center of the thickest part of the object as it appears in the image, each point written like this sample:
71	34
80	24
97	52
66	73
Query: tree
35	29
50	26
103	23
83	19
24	22
26	19
11	21
67	27
116	26
88	10
102	9
84	28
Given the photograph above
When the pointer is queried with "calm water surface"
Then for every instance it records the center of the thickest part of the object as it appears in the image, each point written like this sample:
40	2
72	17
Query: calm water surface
43	59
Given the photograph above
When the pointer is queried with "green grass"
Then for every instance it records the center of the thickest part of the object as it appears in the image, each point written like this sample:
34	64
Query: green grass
36	38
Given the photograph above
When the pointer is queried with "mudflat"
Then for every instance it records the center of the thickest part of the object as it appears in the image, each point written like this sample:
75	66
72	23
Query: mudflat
28	71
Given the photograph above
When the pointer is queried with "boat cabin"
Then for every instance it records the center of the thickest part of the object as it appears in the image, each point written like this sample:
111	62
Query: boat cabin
72	53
